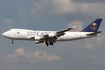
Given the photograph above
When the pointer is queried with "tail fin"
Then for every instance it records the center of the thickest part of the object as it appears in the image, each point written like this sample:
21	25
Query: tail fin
93	27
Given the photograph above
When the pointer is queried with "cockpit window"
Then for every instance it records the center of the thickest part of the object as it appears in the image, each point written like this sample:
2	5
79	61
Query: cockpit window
9	30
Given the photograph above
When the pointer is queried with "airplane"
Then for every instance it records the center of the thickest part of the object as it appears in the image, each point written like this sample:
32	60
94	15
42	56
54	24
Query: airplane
50	37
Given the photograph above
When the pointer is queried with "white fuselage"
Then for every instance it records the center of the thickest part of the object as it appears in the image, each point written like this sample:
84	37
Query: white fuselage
24	34
50	37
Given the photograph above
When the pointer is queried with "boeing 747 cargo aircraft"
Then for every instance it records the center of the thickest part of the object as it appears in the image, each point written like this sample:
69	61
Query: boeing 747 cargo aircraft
50	37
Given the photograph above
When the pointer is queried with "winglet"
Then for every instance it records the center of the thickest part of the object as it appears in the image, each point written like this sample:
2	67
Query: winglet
67	29
74	26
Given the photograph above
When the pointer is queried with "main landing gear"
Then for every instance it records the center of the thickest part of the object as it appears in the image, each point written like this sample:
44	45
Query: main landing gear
12	41
48	43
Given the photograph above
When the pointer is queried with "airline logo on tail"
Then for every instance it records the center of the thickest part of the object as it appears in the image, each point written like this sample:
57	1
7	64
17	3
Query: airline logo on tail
93	26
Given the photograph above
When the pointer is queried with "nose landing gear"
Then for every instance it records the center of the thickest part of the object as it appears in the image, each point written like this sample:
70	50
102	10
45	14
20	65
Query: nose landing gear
12	41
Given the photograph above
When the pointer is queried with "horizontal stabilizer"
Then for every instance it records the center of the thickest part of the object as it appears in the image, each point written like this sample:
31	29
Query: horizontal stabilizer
95	33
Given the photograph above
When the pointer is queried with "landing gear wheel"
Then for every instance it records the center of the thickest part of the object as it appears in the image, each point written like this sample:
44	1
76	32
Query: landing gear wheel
51	43
12	42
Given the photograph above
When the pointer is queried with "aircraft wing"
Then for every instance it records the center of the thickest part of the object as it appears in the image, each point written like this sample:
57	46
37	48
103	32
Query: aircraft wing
59	33
52	37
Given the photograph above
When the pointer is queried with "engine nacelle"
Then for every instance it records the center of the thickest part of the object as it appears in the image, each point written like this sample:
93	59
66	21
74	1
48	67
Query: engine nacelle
38	42
52	34
38	38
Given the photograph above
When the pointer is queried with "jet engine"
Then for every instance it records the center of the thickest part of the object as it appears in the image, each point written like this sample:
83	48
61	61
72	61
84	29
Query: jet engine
38	38
38	42
52	34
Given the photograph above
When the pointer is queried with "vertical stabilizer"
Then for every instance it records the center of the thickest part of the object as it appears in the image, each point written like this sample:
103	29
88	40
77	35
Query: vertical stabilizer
93	27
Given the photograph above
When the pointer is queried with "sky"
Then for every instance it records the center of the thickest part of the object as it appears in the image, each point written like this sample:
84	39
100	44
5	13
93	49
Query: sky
55	15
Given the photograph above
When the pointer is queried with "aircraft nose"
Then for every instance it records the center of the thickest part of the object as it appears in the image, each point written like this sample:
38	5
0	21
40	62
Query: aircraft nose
4	34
